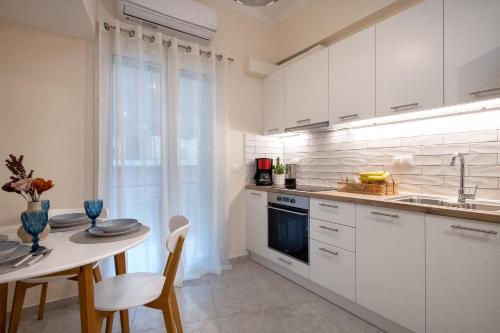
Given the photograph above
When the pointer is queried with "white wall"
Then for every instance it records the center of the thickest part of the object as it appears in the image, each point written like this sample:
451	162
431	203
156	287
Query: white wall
46	113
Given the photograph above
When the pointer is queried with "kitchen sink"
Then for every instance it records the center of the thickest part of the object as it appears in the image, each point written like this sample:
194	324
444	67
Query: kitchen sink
448	202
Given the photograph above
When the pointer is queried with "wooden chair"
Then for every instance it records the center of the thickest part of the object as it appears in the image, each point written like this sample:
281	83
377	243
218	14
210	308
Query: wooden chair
24	285
155	291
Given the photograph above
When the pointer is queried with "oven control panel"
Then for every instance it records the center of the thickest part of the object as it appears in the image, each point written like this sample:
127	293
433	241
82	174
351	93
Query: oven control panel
296	201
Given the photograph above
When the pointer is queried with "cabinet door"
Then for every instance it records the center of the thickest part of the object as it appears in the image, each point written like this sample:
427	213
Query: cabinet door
257	222
274	103
409	59
306	90
471	50
390	264
463	276
333	268
352	78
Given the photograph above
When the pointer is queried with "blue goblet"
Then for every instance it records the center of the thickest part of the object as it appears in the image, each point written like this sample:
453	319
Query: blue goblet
45	204
34	221
93	208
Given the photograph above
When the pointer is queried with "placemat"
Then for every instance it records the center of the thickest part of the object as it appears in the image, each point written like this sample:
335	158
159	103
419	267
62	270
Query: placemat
9	266
83	237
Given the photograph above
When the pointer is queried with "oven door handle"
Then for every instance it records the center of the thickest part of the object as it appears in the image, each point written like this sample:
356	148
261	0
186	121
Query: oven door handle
288	211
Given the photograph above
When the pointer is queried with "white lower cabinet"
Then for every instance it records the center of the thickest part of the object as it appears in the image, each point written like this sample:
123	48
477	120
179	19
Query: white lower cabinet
463	276
289	263
333	268
390	264
257	222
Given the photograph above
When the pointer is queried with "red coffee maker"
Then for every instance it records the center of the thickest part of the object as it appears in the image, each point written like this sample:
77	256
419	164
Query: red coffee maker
264	173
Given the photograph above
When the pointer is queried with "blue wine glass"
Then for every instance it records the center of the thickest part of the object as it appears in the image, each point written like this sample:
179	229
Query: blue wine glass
93	208
45	204
34	221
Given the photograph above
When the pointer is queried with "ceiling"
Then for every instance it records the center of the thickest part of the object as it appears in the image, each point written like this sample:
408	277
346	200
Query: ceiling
272	13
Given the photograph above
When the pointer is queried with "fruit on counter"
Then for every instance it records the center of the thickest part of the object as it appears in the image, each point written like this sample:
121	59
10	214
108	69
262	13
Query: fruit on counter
374	177
373	173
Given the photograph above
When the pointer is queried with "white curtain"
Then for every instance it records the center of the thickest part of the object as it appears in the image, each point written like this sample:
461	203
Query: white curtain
163	143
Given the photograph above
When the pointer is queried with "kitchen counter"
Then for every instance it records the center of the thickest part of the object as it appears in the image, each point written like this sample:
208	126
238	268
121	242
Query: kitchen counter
384	201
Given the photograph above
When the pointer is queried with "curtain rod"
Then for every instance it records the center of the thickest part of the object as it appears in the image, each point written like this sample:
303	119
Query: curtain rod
167	43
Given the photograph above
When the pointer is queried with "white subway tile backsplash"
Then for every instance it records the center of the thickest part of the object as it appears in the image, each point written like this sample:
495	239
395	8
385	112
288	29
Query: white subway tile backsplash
442	170
444	149
422	180
482	136
486	147
481	182
324	158
486	170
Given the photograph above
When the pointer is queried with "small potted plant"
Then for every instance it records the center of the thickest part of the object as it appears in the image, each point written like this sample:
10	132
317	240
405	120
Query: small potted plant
279	173
22	183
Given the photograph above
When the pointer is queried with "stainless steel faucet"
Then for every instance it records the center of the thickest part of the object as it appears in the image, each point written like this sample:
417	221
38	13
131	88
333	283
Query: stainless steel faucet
462	196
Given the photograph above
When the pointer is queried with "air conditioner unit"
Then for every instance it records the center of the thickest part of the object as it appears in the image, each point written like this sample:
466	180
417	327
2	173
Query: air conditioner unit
185	19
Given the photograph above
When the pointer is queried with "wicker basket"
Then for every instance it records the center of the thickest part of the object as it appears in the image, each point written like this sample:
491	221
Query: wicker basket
387	188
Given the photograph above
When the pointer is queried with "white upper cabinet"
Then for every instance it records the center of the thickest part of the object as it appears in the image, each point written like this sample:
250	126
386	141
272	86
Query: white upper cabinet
409	59
352	77
274	103
306	90
463	276
471	50
390	264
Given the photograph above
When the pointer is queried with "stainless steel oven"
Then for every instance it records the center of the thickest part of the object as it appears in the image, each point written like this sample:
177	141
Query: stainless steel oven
288	225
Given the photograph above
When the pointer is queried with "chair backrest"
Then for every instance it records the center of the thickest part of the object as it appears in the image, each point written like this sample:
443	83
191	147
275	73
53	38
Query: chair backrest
59	211
178	226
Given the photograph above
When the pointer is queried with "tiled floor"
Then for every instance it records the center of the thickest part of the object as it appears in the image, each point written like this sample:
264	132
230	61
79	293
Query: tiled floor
249	298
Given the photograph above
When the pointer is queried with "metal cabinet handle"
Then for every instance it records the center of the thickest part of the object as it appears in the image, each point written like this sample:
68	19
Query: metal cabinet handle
493	232
272	130
253	193
385	214
328	251
485	91
349	116
404	107
285	261
303	121
288	211
328	205
328	228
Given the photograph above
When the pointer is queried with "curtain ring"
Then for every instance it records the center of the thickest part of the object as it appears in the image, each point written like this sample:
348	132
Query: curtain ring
167	43
209	54
151	39
188	49
131	33
106	26
220	57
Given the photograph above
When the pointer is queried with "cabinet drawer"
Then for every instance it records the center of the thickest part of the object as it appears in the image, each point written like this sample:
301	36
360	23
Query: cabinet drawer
333	234
333	268
289	263
334	211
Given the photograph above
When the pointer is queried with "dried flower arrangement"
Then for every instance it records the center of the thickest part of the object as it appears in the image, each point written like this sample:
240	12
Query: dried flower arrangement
22	182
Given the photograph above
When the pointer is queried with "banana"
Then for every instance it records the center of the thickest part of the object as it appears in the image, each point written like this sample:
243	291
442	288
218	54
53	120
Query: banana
374	173
376	178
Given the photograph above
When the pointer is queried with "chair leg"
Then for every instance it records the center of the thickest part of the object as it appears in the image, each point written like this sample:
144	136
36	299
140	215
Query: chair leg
168	318
97	274
109	323
99	316
17	306
175	310
43	298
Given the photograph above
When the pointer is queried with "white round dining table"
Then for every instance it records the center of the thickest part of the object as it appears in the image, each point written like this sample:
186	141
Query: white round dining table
68	258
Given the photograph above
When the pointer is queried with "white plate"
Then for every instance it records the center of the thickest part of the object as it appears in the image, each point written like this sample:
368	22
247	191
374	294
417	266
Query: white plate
7	247
99	233
68	219
117	225
18	253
